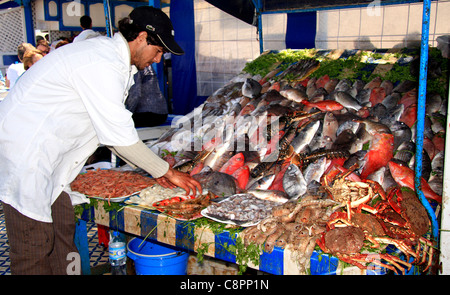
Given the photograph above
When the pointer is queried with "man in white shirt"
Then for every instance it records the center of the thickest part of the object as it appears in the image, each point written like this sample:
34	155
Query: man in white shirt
56	116
86	25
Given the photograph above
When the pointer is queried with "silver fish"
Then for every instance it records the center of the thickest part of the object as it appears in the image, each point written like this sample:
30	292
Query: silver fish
346	100
315	170
294	184
363	96
329	129
294	94
343	85
270	195
391	100
251	88
305	135
261	182
437	175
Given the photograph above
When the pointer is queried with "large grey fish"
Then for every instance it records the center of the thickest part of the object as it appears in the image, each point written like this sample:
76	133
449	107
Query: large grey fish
251	88
304	136
294	184
346	100
220	184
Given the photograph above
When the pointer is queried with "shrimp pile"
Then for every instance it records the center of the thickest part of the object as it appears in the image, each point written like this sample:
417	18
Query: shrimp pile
110	183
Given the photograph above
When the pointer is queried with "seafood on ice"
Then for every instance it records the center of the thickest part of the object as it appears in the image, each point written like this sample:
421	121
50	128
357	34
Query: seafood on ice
240	209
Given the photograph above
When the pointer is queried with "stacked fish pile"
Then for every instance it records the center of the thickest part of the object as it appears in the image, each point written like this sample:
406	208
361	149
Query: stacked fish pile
279	135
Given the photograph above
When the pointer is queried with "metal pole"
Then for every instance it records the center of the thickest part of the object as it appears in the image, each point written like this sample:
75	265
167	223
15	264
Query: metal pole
107	18
421	119
258	6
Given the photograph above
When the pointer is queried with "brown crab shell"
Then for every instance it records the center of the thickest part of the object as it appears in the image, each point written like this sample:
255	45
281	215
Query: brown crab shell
368	223
414	212
345	240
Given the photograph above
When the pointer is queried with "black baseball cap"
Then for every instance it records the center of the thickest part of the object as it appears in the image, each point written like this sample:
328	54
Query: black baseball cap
155	21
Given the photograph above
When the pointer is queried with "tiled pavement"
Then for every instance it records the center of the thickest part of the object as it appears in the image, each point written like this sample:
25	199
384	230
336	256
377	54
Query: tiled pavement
97	253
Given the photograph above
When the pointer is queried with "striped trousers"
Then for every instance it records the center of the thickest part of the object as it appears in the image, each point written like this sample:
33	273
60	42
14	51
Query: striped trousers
41	248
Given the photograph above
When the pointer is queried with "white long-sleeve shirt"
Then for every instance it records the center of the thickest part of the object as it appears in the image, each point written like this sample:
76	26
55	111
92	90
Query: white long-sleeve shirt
55	117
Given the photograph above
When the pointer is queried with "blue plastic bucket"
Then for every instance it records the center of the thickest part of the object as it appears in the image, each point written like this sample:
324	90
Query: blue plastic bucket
155	259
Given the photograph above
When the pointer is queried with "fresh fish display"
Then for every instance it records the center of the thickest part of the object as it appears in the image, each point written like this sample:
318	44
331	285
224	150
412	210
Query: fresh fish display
294	133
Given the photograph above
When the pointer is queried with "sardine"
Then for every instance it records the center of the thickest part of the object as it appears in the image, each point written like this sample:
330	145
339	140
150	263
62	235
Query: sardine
294	184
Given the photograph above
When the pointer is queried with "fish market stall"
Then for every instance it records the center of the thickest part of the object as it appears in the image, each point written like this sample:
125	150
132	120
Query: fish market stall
307	162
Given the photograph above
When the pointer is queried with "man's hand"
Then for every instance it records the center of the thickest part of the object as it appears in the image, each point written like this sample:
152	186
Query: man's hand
174	178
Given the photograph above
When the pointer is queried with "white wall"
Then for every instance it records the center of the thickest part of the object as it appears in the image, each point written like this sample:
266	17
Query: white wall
224	44
388	26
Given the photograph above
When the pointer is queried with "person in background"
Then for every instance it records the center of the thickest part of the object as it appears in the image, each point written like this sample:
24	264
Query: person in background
86	25
43	46
31	57
61	43
15	70
145	100
58	113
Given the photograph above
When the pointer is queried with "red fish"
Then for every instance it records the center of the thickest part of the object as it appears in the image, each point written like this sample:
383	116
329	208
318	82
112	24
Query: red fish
277	183
377	95
303	83
439	141
409	98
324	105
234	163
242	175
409	115
380	153
197	168
247	109
429	147
322	81
275	86
335	168
376	82
404	176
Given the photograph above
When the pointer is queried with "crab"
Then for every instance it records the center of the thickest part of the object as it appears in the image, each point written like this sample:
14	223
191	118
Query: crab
404	221
404	218
352	194
345	239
